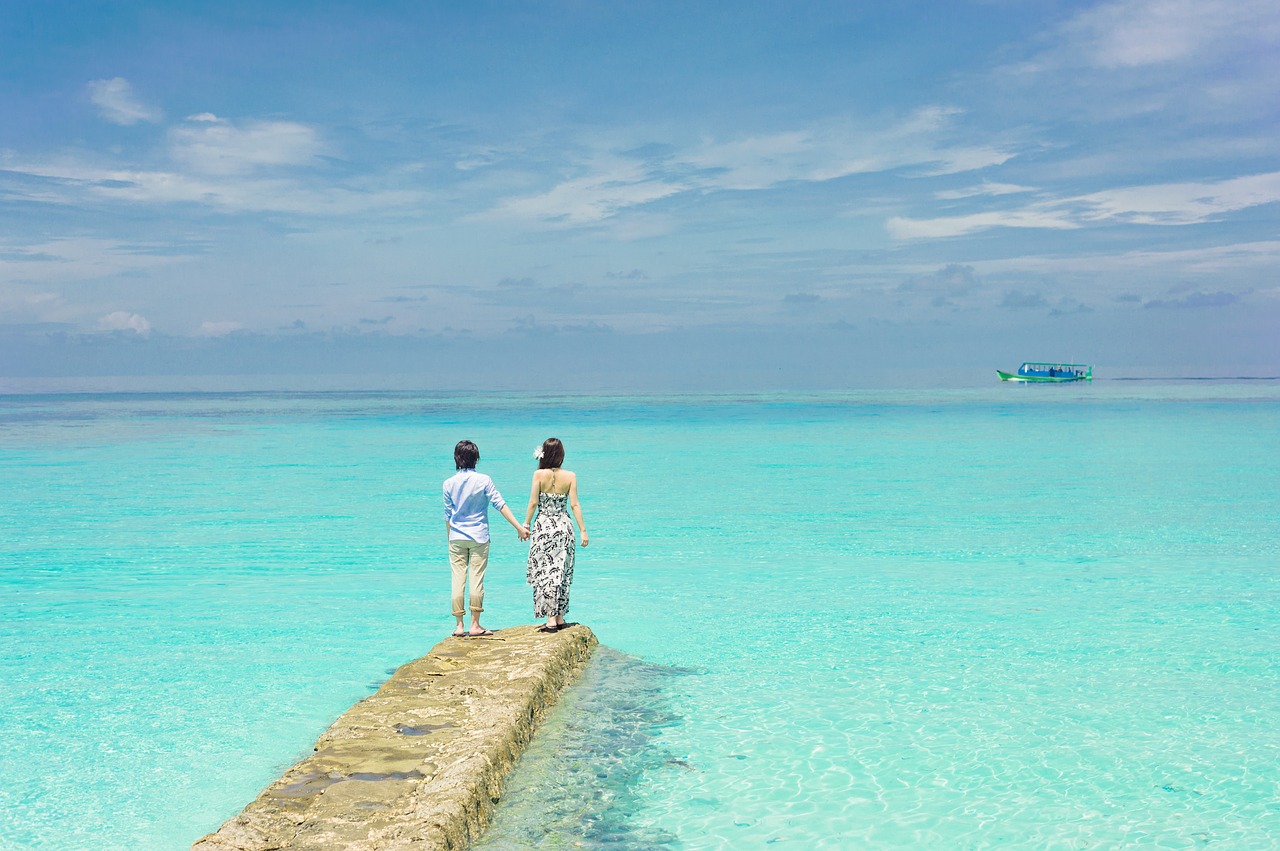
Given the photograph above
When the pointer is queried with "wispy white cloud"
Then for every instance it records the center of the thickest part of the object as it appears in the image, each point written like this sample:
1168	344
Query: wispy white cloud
900	227
479	158
1179	203
1020	300
218	329
1160	204
612	185
1134	33
247	166
212	145
1194	301
944	286
77	259
987	187
842	149
117	103
71	182
615	182
123	320
1183	65
25	303
1095	275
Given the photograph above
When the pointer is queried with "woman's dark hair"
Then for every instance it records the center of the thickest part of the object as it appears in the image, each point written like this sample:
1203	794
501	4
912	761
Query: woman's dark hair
552	453
465	455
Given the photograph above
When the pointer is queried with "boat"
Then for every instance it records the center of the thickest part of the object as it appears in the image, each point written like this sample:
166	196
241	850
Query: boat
1049	373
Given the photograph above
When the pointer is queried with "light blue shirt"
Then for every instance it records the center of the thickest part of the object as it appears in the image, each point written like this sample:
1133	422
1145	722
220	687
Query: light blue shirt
467	496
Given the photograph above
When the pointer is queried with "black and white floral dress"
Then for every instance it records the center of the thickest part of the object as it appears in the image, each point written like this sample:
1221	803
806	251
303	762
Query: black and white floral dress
551	548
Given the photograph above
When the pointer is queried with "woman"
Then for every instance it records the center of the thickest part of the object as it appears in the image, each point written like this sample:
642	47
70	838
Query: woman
551	545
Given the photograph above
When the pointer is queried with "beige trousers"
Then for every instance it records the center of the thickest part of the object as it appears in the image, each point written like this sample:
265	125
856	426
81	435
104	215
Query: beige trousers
464	555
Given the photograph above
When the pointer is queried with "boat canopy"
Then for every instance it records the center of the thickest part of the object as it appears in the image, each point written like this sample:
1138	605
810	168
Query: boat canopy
1055	370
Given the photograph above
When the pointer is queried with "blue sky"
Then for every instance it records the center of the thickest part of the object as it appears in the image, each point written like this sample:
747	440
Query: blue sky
660	194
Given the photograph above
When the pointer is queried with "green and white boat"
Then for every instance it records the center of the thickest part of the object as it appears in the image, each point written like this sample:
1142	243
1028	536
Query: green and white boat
1033	372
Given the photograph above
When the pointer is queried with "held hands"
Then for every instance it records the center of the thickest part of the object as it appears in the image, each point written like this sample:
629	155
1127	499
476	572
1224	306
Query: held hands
522	532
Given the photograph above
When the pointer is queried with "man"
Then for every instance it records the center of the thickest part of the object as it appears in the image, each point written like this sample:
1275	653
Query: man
467	497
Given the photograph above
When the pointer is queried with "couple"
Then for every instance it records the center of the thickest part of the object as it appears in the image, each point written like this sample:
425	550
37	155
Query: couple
467	497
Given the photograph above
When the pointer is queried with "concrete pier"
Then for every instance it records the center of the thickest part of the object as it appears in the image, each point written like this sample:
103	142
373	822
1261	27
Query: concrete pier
421	763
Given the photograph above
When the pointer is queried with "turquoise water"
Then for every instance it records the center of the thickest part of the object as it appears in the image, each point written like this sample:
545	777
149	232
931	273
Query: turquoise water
1004	616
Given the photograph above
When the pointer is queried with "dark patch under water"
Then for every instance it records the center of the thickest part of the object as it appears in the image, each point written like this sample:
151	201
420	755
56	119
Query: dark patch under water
421	729
575	786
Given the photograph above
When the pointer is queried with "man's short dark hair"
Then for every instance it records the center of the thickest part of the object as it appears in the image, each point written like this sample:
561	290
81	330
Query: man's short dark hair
465	455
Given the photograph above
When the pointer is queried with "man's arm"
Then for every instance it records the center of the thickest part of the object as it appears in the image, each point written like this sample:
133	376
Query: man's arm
522	531
448	510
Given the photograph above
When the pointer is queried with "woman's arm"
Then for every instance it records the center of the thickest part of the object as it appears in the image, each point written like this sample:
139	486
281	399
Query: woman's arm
577	509
533	498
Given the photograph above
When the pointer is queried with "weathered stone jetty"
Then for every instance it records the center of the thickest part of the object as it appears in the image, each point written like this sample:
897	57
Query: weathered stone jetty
421	763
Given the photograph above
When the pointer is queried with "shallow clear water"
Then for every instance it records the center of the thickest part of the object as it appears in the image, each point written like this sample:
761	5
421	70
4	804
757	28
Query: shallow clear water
1018	616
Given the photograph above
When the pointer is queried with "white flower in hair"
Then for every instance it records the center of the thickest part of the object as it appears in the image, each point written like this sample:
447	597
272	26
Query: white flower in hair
537	453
